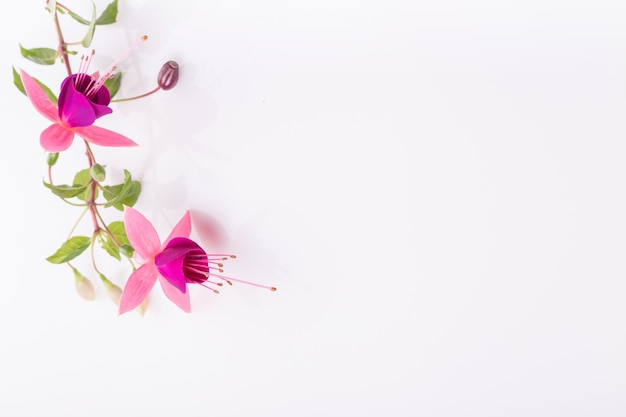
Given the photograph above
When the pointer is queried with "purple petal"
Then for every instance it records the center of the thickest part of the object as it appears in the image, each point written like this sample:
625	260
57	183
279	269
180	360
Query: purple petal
175	248
170	262
172	271
74	108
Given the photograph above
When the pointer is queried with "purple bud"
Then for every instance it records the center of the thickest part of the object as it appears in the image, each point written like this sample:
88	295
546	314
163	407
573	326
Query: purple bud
168	75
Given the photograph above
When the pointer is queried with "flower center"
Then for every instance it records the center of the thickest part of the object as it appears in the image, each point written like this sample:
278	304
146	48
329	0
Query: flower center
196	266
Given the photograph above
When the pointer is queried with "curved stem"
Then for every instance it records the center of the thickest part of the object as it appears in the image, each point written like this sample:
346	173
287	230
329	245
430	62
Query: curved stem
136	97
77	222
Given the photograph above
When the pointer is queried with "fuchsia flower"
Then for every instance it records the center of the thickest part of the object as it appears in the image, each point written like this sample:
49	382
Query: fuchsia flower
78	109
176	262
83	99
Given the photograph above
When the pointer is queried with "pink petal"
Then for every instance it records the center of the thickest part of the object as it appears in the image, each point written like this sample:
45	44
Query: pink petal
137	287
142	235
56	138
103	137
38	98
182	229
180	299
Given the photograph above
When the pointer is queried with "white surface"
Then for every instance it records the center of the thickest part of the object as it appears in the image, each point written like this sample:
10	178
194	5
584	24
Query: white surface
436	189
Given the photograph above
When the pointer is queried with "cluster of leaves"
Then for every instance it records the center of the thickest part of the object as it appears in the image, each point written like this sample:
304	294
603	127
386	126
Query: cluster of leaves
85	191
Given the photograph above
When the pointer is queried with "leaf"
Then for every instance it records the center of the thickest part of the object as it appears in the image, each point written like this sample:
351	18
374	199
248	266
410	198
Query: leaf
131	196
121	195
113	84
17	80
90	29
78	18
109	246
65	191
43	56
83	179
70	249
109	15
118	230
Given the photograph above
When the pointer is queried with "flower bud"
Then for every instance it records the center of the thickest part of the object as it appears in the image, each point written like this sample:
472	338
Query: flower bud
98	173
168	75
143	307
52	158
115	292
83	286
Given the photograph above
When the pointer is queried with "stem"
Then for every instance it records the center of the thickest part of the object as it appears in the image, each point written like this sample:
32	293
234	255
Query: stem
106	229
91	204
93	257
136	97
62	44
77	222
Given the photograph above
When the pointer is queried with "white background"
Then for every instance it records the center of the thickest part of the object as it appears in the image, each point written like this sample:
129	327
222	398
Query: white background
436	189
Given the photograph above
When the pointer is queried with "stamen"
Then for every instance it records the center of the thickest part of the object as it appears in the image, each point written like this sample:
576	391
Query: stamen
112	67
229	279
83	67
212	289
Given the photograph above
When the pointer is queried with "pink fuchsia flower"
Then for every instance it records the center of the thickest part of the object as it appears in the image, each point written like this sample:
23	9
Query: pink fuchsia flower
176	262
83	99
74	116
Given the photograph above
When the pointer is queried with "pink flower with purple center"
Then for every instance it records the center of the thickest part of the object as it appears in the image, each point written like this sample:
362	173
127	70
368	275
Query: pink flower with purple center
175	263
74	116
83	99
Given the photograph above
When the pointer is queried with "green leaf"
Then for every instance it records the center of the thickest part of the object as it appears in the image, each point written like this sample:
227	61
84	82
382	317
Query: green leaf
17	80
90	29
70	249
109	15
78	18
113	84
109	246
125	194
43	56
83	179
64	190
118	230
